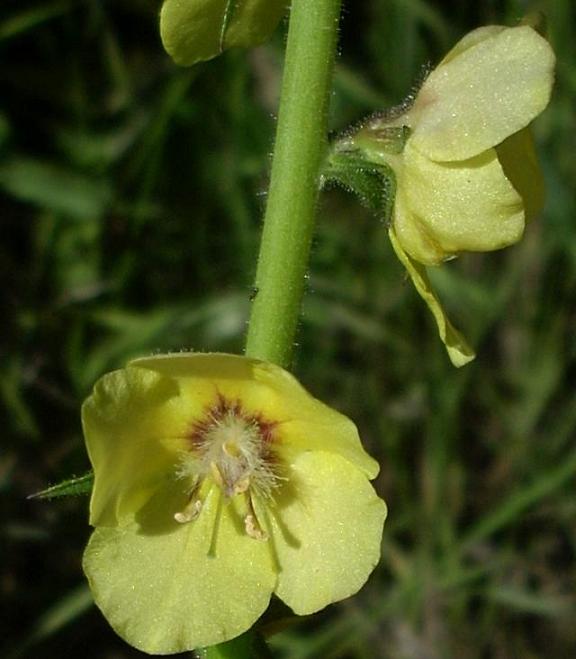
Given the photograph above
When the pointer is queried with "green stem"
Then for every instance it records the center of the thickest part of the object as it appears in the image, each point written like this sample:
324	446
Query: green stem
290	211
294	184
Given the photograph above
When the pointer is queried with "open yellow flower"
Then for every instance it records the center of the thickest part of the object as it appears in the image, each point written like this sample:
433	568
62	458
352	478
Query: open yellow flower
218	481
466	173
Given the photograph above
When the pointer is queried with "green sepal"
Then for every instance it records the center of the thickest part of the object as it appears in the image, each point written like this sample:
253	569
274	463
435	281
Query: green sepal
378	140
71	487
373	183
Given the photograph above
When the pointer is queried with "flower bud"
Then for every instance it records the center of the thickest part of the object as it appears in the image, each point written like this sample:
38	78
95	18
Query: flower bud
198	30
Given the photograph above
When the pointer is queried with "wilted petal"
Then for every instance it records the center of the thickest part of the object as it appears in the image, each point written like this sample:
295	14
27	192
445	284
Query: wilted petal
459	351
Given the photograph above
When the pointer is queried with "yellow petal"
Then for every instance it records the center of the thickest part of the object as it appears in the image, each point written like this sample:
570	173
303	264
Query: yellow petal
483	95
173	591
471	39
205	365
198	30
307	424
304	423
327	537
462	206
337	434
133	424
518	159
411	230
459	351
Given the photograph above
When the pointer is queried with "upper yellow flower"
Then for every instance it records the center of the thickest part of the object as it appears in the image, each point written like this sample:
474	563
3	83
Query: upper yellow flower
462	155
218	481
469	176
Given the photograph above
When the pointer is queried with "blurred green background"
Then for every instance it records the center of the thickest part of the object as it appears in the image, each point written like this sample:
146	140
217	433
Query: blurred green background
131	201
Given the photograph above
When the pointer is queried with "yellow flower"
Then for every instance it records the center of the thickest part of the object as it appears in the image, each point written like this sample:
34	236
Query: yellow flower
469	175
218	481
462	154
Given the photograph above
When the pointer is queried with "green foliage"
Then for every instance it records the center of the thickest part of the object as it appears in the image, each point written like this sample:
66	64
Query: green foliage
132	193
75	486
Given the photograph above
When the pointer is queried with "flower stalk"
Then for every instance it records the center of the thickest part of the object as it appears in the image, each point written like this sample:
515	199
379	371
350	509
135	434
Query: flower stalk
291	207
292	198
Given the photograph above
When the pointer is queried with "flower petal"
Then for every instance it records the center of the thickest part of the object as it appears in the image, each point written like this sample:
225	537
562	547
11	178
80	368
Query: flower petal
518	159
171	592
337	435
471	39
208	365
305	423
133	422
459	351
327	536
484	94
462	206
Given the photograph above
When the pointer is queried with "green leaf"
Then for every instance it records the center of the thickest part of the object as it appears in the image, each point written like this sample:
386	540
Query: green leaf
31	18
75	486
61	613
54	187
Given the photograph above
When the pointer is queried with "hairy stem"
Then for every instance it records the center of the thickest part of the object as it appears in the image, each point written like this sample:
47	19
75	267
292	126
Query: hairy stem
292	199
291	209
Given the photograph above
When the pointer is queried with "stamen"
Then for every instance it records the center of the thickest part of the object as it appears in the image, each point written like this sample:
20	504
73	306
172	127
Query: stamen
253	528
234	450
241	486
190	513
251	523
